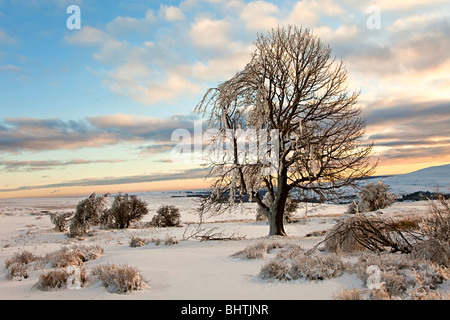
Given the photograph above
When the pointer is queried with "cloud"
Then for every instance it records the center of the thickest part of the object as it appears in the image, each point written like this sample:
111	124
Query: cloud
405	4
213	34
196	173
31	134
10	68
260	16
172	13
126	26
86	36
405	131
35	165
5	38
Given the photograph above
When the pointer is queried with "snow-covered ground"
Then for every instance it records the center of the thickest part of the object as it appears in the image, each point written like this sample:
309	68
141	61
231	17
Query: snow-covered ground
188	270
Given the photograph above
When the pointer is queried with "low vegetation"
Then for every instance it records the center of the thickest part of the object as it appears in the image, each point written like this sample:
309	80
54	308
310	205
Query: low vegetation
167	216
120	278
124	210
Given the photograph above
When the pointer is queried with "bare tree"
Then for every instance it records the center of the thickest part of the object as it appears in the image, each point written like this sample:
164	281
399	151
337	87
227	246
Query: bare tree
296	92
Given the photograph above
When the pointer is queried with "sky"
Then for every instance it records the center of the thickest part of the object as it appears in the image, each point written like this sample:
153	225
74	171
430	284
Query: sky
91	107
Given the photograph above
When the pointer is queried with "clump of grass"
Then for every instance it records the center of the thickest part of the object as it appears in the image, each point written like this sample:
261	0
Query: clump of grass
138	242
255	251
73	256
120	278
18	265
296	264
62	278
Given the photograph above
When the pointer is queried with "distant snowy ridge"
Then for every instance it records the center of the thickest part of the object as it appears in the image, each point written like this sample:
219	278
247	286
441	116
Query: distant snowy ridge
428	179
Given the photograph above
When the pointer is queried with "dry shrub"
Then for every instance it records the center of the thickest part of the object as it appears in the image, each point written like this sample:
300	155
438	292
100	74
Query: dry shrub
138	242
62	278
374	197
435	245
255	251
432	250
350	294
60	220
275	269
119	278
18	265
51	279
293	263
316	267
167	216
73	256
400	275
258	249
360	232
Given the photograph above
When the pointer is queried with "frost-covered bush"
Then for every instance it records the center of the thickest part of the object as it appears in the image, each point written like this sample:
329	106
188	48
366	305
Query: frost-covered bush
124	210
399	275
18	265
138	242
167	216
375	197
73	256
435	231
255	251
294	263
62	278
60	220
87	214
119	278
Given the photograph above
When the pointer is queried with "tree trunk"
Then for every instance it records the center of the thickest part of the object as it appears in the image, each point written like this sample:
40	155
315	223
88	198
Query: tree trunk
275	216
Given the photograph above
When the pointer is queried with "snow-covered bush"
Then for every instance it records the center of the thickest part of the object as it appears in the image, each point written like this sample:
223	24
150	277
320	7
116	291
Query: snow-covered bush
62	278
294	263
375	197
167	216
255	251
60	220
120	278
17	266
124	210
73	256
399	275
87	214
138	242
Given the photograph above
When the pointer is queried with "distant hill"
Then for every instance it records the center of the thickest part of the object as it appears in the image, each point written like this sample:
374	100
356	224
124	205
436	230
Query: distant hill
427	179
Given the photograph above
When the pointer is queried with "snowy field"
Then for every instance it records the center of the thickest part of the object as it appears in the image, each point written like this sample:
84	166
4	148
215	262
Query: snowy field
188	270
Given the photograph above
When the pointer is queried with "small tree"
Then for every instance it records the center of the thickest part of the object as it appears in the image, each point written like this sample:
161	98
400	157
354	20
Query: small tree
124	210
293	97
167	216
375	197
87	214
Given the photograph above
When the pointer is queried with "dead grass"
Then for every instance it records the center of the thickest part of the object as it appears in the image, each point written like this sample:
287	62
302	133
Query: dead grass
120	278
